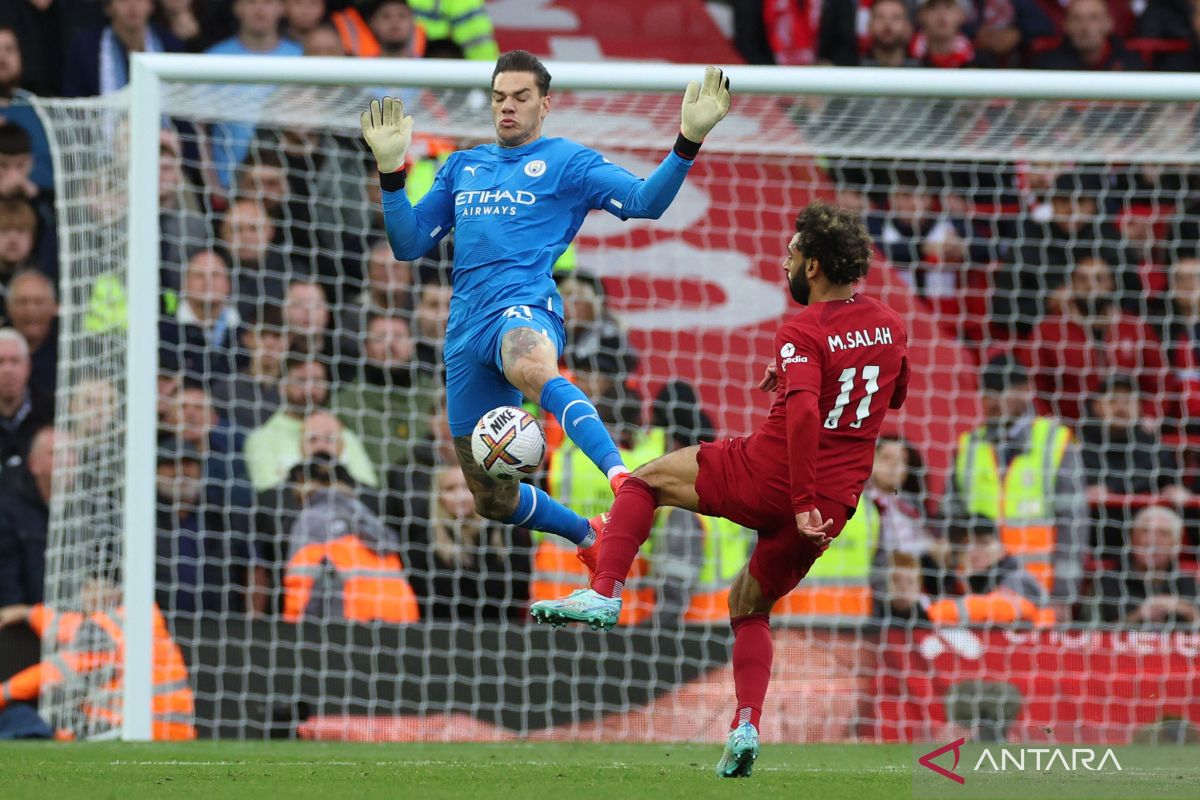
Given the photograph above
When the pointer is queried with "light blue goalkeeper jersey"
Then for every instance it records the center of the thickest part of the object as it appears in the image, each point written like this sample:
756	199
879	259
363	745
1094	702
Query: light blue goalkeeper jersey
514	211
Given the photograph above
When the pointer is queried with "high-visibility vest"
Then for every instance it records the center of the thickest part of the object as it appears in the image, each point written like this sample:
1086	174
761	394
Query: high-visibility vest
357	38
573	479
1021	500
726	550
172	706
368	585
426	157
466	22
839	582
993	608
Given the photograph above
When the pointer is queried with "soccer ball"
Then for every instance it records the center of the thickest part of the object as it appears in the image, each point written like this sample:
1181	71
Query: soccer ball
508	443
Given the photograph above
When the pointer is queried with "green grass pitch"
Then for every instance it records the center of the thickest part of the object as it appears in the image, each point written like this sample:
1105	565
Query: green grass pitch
292	770
219	770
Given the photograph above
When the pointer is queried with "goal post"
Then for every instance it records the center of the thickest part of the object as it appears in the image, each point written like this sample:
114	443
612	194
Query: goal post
792	134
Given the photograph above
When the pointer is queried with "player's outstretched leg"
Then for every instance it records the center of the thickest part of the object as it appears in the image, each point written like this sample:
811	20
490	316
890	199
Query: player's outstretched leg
669	480
753	651
530	362
520	503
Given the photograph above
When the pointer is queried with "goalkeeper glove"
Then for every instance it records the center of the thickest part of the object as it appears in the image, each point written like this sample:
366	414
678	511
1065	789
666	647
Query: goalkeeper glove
388	132
704	106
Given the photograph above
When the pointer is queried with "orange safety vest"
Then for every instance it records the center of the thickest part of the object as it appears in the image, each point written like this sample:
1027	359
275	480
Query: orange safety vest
173	706
993	608
370	586
357	38
359	41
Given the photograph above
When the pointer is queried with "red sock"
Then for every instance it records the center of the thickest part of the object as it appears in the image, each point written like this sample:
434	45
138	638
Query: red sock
628	528
752	653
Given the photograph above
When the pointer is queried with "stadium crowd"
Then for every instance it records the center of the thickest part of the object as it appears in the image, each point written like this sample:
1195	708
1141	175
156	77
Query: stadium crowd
305	468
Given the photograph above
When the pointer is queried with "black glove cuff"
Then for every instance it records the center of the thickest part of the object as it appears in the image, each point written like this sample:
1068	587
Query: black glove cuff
392	181
685	147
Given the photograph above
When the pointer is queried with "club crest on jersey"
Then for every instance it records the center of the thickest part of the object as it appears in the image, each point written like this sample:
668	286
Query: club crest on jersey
535	168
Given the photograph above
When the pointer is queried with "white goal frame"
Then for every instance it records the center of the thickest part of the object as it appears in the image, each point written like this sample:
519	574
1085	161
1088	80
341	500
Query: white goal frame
149	71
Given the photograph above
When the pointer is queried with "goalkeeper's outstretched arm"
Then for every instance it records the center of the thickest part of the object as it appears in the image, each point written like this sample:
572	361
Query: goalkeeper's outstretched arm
703	107
411	230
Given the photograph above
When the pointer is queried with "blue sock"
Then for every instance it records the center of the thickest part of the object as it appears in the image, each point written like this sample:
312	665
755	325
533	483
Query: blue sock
540	512
582	424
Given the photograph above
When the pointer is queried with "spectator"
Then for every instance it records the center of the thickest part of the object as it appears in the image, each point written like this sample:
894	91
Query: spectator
98	59
24	410
1180	326
429	323
902	602
15	107
204	330
302	17
940	41
1029	464
306	319
895	489
389	292
793	28
183	231
197	558
1122	452
18	230
258	271
1189	60
993	587
263	178
998	36
323	40
178	17
890	31
1089	43
750	34
466	22
193	421
24	518
284	438
251	396
464	568
1150	587
593	334
1074	230
257	35
912	224
16	163
16	169
33	312
1091	336
338	537
390	404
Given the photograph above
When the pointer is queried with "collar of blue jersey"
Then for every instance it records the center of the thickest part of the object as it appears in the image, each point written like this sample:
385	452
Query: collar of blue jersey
516	152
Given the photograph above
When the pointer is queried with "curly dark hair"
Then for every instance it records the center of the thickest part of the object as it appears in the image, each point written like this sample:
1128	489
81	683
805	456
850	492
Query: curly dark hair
837	239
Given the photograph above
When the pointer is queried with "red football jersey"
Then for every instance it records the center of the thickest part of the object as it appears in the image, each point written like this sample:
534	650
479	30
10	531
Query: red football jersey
841	365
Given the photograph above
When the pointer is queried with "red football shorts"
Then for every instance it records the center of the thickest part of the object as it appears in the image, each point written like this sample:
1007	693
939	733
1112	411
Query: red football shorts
728	486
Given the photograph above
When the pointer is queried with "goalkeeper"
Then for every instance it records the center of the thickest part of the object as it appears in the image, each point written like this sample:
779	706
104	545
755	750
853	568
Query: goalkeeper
515	205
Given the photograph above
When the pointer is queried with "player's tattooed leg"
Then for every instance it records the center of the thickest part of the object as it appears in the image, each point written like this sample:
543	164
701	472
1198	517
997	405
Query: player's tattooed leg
530	360
493	499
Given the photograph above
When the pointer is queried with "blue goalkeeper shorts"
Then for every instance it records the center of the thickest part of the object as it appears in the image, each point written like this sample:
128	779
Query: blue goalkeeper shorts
475	382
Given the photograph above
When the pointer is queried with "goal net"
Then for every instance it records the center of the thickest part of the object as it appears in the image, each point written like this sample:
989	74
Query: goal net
313	559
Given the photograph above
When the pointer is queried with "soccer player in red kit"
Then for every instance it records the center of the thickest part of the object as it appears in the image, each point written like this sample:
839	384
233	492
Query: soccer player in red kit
839	364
